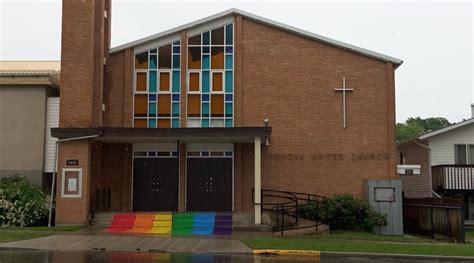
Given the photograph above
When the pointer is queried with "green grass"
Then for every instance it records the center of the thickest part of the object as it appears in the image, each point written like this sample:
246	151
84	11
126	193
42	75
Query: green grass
469	233
364	242
8	234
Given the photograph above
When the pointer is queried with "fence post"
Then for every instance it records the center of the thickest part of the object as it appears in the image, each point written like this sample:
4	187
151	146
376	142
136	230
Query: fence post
431	222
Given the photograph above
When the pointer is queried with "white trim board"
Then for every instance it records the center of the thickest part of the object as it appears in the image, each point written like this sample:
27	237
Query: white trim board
230	12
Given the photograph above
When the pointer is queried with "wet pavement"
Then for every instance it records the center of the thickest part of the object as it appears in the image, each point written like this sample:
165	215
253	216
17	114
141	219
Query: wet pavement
42	256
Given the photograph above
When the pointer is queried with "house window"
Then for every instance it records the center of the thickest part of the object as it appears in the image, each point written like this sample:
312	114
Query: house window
157	86
210	78
464	154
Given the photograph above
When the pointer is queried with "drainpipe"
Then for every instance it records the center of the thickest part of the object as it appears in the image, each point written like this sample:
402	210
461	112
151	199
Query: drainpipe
53	182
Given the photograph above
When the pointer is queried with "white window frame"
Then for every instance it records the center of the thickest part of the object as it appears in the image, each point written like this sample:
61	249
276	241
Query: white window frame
79	183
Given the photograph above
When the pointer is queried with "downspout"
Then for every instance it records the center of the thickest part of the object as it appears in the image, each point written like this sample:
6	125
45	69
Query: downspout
53	182
429	163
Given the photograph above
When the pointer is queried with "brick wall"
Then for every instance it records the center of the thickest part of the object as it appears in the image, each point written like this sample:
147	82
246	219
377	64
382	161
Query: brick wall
416	186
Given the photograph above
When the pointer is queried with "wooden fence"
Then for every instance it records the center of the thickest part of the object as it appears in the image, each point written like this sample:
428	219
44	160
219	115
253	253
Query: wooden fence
433	218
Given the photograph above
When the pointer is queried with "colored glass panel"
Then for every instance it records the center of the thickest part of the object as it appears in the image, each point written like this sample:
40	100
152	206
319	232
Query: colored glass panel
164	57
194	81
175	97
176	43
205	109
204	153
228	81
195	40
217	154
164	81
228	153
175	109
141	81
164	123
229	50
229	62
228	109
151	123
205	81
217	105
164	105
217	123
139	123
194	105
152	81
175	124
141	61
152	97
194	57
176	81
216	81
153	51
193	123
217	58
217	36
205	97
205	38
141	105
175	61
205	123
228	123
176	50
229	34
228	97
152	109
205	49
205	61
153	61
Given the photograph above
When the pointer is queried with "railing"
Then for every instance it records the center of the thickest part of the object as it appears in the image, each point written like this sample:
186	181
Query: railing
287	206
100	201
452	177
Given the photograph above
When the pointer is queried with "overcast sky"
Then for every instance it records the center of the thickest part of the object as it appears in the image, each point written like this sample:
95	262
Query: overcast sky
434	39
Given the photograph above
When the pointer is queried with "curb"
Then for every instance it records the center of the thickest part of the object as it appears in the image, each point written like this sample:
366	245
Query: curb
286	252
334	254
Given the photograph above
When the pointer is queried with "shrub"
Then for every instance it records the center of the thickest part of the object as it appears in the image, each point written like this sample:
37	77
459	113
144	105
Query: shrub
21	203
345	212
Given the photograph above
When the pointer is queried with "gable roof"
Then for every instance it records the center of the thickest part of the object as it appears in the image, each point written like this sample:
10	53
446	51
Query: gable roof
397	62
446	129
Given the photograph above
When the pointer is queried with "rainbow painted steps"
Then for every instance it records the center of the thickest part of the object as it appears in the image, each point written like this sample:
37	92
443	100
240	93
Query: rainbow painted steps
187	223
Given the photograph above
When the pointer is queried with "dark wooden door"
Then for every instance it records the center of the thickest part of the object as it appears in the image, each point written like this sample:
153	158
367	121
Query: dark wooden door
209	184
155	184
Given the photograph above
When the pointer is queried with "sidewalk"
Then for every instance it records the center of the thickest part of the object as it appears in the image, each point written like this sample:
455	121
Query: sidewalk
131	243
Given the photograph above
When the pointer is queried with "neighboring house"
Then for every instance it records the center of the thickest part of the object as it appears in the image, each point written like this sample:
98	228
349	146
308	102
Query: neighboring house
176	121
29	107
446	157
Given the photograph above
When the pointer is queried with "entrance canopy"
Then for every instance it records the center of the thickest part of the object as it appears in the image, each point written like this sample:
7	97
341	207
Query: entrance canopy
184	135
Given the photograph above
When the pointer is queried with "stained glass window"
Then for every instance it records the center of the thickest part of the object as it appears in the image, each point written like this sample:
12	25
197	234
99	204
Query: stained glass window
157	87
210	78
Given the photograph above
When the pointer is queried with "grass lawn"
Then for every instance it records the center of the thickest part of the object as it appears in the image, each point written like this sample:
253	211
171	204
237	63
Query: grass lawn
8	234
364	242
469	233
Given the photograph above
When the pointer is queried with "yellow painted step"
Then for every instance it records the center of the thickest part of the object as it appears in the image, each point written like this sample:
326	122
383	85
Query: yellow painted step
163	217
160	230
162	223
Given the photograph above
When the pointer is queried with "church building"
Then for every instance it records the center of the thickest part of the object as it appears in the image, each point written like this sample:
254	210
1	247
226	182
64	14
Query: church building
203	116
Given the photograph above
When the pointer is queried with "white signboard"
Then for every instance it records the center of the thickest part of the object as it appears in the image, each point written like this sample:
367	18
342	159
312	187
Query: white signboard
72	185
384	194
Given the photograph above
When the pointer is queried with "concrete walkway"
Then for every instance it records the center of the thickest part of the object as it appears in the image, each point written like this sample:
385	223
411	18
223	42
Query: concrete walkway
131	243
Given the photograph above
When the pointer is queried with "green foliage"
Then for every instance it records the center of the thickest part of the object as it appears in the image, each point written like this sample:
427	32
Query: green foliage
21	203
413	127
345	212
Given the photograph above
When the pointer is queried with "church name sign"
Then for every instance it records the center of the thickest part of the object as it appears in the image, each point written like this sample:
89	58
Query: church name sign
330	157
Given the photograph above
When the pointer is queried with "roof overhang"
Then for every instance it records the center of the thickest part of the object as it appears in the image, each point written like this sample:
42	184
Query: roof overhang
231	12
185	135
446	129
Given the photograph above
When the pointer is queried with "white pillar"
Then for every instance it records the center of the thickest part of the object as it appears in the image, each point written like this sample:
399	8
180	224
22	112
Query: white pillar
258	185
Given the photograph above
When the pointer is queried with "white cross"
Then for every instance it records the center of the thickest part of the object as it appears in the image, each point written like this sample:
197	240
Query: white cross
344	90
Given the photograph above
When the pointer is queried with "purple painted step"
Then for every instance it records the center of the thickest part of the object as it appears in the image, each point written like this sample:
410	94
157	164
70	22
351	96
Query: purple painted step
223	224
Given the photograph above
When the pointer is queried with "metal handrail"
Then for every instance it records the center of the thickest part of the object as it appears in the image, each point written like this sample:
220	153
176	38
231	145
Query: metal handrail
291	207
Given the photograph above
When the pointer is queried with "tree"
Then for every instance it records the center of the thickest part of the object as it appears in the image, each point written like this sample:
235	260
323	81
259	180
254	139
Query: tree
413	127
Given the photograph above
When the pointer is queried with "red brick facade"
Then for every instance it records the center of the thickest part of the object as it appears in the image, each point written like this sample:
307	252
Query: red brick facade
287	78
413	152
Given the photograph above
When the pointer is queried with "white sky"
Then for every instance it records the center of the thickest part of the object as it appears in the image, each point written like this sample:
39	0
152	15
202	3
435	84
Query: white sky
434	39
